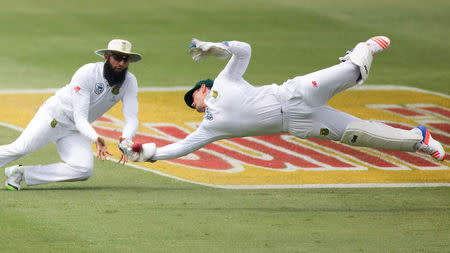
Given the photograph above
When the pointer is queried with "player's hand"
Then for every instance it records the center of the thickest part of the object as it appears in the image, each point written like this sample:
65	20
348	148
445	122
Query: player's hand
201	49
142	152
102	149
123	158
130	151
123	146
198	49
125	150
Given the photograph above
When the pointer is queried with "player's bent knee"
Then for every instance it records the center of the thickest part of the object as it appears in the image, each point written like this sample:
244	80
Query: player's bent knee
83	172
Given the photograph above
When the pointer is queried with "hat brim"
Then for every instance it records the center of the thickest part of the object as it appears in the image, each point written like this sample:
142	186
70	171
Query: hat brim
188	97
134	57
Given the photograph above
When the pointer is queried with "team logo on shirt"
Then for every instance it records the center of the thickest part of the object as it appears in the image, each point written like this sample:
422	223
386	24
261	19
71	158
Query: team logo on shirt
215	94
53	123
99	87
324	131
115	90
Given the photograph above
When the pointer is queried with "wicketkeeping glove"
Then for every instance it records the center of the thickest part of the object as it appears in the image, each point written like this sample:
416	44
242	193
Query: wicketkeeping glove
137	152
201	49
126	147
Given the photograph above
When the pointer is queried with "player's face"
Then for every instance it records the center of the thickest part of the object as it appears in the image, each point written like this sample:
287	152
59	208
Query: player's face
118	61
199	99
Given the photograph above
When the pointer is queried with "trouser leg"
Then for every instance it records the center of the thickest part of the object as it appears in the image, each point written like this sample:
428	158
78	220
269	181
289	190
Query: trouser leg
75	151
321	122
36	135
329	123
378	135
318	87
309	117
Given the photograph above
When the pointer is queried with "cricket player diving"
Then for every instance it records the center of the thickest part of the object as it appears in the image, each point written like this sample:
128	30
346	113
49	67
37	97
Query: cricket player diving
65	120
235	108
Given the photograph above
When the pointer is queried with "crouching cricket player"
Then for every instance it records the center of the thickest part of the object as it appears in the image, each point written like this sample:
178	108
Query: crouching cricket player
65	120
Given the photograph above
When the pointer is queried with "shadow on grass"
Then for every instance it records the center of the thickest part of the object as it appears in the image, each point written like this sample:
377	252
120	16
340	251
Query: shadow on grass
348	209
104	188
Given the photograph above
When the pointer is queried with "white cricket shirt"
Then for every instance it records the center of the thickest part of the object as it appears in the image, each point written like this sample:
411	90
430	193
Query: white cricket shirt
88	96
235	108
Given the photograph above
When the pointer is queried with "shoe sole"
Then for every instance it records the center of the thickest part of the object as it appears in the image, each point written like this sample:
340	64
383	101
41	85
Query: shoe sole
11	187
382	42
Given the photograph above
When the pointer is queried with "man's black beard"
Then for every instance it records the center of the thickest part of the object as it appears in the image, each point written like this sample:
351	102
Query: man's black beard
112	76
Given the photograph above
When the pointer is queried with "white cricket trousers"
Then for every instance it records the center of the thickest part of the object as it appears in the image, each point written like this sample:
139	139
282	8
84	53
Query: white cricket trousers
305	113
74	149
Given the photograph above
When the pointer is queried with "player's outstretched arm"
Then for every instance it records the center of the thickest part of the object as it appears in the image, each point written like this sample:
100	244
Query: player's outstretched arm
240	51
194	141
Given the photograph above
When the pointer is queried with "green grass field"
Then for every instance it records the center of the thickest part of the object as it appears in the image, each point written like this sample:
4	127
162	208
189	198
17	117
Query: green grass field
121	209
44	42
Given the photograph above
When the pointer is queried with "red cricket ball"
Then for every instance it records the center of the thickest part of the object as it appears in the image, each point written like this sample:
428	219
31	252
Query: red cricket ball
137	147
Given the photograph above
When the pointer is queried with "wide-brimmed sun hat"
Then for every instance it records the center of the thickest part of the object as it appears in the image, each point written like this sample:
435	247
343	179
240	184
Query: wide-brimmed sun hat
120	46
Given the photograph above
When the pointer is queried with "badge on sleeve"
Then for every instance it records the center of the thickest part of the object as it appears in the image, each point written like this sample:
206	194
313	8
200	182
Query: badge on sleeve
99	87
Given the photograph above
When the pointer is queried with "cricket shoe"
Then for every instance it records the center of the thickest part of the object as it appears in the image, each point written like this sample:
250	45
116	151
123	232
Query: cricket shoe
430	146
378	44
375	44
14	176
